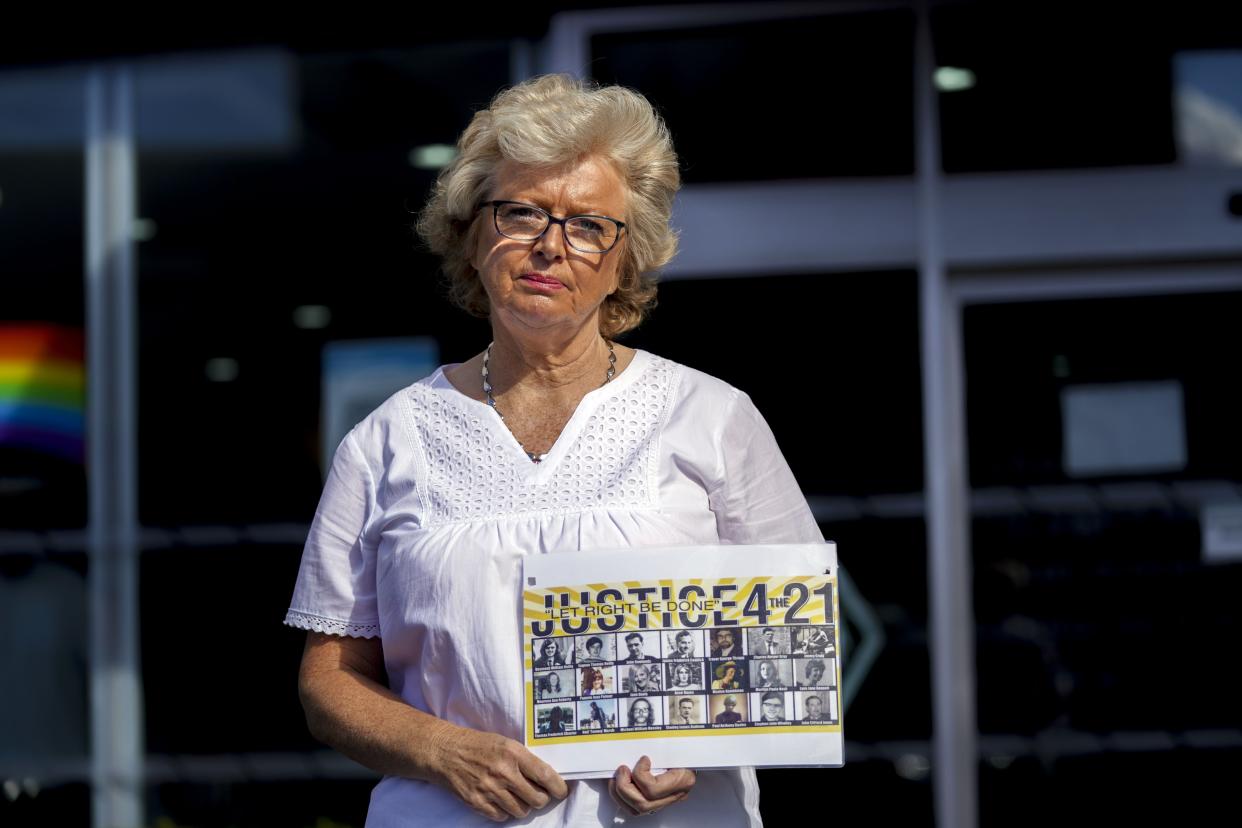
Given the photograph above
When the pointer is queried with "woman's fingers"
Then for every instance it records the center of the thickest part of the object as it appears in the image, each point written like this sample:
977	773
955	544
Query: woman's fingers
510	804
669	783
543	775
498	777
531	780
626	791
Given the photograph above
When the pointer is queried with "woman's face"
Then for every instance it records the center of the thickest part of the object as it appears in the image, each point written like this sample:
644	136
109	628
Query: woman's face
543	285
765	670
682	674
814	673
641	712
729	674
597	681
554	682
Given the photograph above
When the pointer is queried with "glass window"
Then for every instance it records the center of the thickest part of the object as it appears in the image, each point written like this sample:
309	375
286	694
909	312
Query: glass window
1027	87
1208	104
1098	614
800	98
270	238
202	694
1025	357
42	317
44	723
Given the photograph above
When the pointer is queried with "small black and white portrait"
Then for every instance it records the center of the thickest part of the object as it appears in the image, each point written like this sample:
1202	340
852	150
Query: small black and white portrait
653	677
595	649
730	709
770	673
728	674
763	641
817	707
772	706
640	647
726	642
554	684
683	676
683	643
815	641
636	678
596	680
554	718
551	652
685	710
642	712
597	714
815	672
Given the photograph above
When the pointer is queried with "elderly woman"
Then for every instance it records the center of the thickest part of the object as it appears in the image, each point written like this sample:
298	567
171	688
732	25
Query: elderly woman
553	438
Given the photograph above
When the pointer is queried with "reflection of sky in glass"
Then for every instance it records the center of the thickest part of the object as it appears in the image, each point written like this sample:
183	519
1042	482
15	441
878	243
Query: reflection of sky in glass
241	101
41	109
1209	106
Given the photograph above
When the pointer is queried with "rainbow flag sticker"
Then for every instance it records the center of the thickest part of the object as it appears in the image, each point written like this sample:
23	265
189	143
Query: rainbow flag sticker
42	389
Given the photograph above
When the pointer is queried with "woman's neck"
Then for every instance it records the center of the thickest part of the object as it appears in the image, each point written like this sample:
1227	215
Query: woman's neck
547	362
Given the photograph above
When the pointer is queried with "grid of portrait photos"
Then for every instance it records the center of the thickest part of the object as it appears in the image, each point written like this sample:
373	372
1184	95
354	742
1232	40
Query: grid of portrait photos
679	679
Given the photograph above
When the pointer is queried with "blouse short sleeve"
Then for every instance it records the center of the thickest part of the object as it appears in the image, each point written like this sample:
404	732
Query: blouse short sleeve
336	587
756	498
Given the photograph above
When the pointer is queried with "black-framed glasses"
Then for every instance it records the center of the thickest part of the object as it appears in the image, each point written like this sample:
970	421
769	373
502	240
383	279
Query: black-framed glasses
526	222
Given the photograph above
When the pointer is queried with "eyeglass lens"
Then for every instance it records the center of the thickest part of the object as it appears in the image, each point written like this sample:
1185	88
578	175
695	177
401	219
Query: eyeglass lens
589	234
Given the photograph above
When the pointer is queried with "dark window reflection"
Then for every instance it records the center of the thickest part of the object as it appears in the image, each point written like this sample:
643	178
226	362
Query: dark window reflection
42	312
1097	614
832	361
43	657
1021	358
1065	85
259	255
203	695
804	98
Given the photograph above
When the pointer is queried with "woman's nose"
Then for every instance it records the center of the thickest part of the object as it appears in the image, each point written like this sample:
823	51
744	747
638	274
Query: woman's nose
552	243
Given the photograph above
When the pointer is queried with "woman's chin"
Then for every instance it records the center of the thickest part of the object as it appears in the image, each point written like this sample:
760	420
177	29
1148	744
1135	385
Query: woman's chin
541	313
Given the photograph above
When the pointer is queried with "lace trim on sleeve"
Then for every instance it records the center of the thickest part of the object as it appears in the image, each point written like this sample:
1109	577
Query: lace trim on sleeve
330	626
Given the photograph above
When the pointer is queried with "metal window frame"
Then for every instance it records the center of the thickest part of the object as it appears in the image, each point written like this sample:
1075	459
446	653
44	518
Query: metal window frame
117	729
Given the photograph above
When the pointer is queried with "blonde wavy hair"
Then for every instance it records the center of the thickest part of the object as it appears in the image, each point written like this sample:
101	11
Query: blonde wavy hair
546	122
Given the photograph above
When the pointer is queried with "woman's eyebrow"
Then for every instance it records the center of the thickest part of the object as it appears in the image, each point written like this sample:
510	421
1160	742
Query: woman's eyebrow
577	208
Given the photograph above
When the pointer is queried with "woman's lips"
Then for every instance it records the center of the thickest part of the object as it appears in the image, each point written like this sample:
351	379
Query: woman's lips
541	281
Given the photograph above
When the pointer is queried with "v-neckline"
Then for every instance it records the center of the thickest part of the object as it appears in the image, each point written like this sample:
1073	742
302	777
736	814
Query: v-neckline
537	473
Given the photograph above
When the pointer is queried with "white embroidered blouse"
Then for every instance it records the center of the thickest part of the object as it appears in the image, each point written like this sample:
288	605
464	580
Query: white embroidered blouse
431	504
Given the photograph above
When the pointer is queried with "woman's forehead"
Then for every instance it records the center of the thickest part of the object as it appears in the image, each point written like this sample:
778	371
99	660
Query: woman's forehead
587	184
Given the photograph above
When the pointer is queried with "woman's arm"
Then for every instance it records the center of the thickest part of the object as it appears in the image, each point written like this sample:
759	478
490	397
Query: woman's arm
348	707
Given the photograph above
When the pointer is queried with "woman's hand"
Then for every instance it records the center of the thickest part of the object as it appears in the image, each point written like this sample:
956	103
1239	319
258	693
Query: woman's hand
349	706
495	776
642	792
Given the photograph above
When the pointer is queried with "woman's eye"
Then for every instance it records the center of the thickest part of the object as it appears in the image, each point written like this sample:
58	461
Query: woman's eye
586	225
517	212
